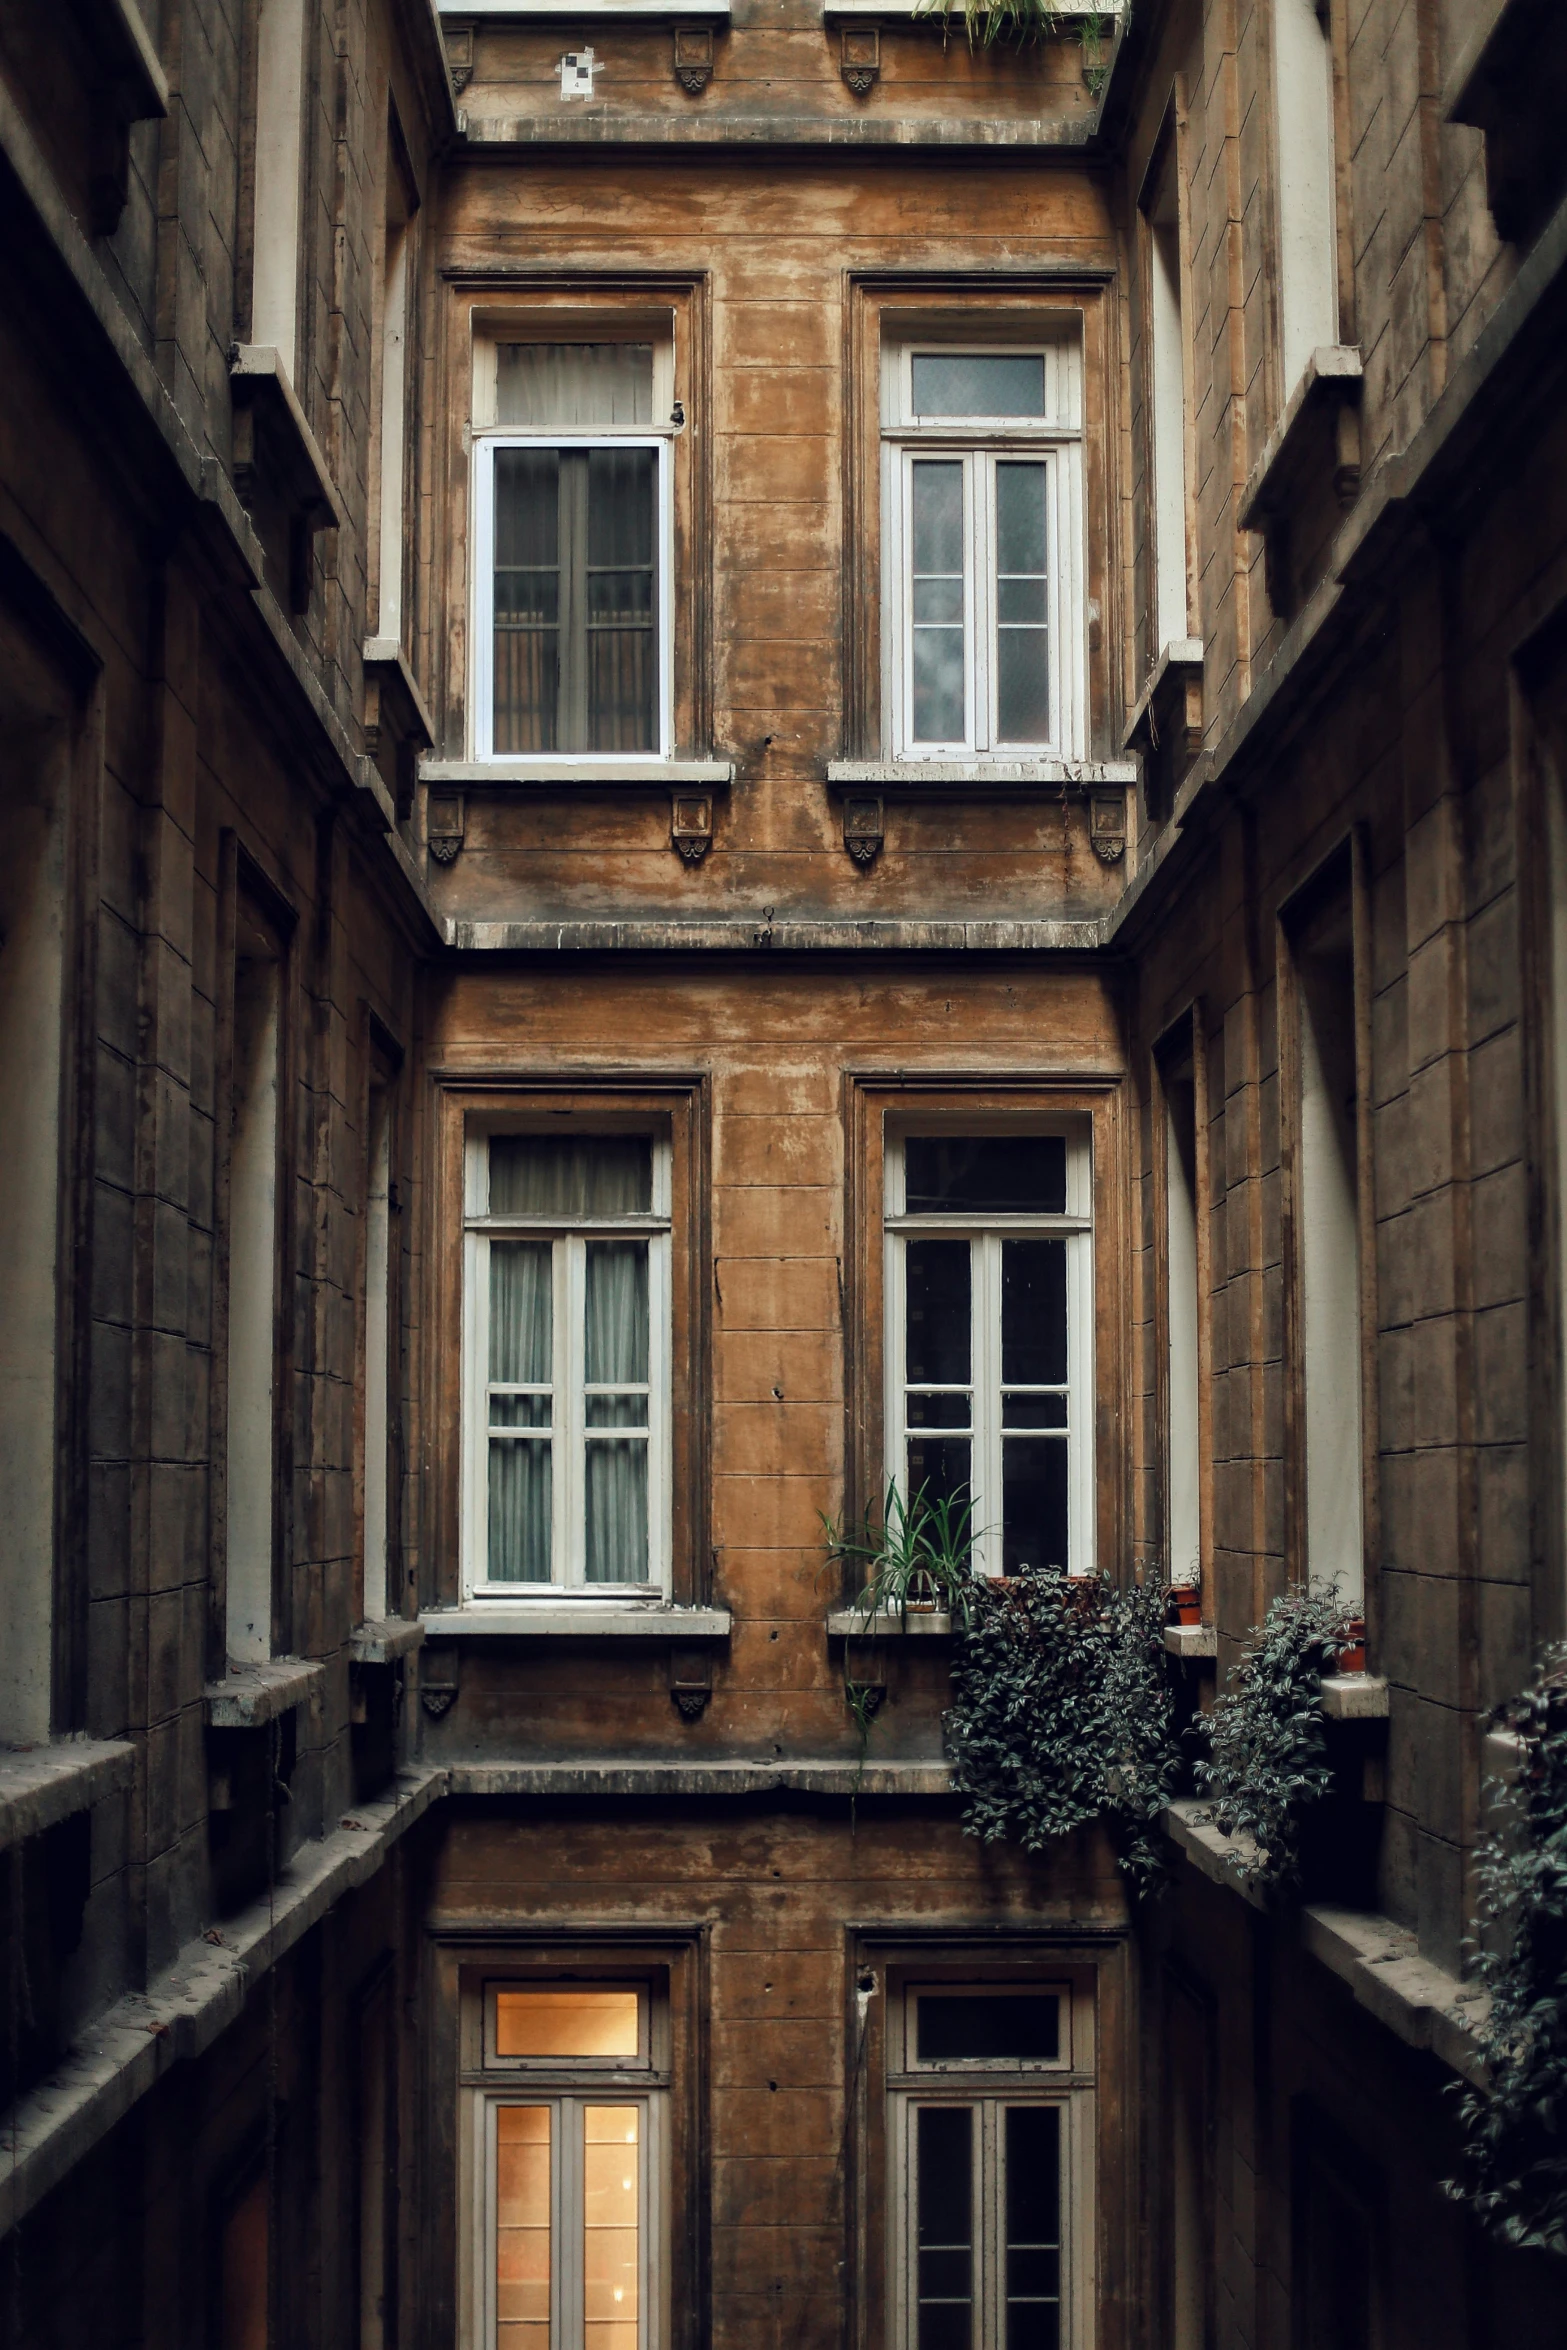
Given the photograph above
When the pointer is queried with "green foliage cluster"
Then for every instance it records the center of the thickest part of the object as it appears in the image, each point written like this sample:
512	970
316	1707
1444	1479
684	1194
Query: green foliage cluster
1022	21
1515	2127
1062	1714
920	1555
1267	1758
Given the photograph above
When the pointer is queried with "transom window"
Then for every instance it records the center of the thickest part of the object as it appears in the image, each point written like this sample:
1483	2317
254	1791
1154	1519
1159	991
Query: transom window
572	533
984	624
989	1341
566	1409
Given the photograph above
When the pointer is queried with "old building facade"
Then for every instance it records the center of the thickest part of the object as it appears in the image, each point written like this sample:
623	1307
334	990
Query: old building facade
749	753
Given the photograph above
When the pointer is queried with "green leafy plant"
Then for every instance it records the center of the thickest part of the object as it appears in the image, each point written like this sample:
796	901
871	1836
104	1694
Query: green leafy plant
1023	21
1062	1714
1267	1757
920	1555
1515	2125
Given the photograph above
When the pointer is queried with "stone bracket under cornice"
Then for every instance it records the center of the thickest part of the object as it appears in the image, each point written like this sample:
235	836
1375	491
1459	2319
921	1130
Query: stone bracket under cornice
1166	726
1317	434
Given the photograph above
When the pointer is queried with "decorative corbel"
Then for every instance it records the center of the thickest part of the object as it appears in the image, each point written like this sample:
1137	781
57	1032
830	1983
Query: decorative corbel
864	828
690	1682
445	823
459	54
438	1696
859	57
1107	826
691	825
694	57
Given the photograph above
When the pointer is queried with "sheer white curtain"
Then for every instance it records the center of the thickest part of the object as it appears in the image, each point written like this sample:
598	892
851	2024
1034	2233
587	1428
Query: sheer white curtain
520	1411
558	1175
616	1357
575	387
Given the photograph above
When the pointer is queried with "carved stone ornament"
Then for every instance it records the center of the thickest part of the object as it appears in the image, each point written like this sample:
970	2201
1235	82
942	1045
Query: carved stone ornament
459	55
863	829
691	825
694	57
690	1702
437	1698
1107	826
860	57
444	825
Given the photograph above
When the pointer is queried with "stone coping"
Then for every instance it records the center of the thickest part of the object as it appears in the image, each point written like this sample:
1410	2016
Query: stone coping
582	1620
42	1785
250	1695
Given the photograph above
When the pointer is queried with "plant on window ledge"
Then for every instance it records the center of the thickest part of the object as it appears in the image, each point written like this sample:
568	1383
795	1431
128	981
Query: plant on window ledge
988	21
1062	1714
919	1558
1267	1761
1515	2126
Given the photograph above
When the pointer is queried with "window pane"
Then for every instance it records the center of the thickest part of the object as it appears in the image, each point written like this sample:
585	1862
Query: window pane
527	598
521	1490
611	2229
560	2022
947	1409
1033	1313
1022	639
1033	1503
1033	2240
989	1175
520	1310
522	2227
562	1175
620	595
937	602
978	383
1011	2025
616	1313
936	1306
617	1411
944	2241
616	1510
574	387
1033	1411
520	1411
941	1465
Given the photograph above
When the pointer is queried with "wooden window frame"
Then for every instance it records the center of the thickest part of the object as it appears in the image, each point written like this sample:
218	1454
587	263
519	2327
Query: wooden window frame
678	1109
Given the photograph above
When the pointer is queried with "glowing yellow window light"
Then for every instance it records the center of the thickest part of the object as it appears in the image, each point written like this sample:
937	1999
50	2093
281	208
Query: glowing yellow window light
611	2228
566	2022
522	2227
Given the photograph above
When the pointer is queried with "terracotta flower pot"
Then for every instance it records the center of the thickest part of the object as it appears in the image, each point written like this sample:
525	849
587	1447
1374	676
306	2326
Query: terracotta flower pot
1352	1654
1185	1603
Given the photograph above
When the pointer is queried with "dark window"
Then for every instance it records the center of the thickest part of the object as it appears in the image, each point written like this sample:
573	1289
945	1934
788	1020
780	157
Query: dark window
1003	2027
944	2284
986	1175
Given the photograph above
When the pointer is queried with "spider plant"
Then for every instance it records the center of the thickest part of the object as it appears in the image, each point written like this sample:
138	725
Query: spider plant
920	1557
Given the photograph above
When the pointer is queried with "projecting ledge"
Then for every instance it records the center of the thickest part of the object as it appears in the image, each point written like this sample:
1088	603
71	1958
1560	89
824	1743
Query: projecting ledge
1418	2001
853	1623
584	774
383	1642
628	1776
1355	1697
42	1785
586	1620
249	1696
1192	1640
975	777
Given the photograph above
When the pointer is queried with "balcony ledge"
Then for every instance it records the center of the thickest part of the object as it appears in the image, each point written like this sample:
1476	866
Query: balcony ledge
42	1785
383	1642
249	1696
575	1620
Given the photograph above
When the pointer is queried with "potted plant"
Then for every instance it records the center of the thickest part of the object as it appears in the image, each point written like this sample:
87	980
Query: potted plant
1184	1602
1352	1648
918	1562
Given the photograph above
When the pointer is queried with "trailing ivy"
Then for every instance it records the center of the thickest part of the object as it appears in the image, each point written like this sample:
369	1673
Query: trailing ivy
1062	1714
1267	1759
1515	2126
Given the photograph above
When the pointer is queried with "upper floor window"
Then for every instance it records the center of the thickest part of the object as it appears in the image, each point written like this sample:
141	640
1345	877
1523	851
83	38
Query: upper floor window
989	1283
573	536
983	600
1307	278
566	1321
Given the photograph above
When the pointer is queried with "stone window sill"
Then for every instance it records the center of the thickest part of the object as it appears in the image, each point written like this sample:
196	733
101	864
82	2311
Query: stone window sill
874	11
249	1696
1192	1640
1166	727
972	777
383	1642
594	772
574	1620
586	13
274	447
1316	440
42	1785
852	1623
1355	1697
397	722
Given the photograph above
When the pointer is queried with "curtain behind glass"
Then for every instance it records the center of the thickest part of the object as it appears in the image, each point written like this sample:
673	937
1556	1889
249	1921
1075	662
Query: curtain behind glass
520	1464
528	583
566	1175
615	1356
574	387
575	634
621	642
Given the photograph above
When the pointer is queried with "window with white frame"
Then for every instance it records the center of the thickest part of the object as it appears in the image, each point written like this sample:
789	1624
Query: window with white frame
990	2148
572	540
989	1282
983	598
566	1347
570	2151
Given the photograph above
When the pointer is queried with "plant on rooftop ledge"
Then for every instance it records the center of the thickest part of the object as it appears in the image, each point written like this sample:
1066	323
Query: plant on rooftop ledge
987	21
1515	2127
1062	1714
1267	1760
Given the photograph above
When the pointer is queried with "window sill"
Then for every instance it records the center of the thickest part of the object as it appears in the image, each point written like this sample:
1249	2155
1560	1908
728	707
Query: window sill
1316	441
249	1696
397	723
274	446
383	1642
1355	1697
991	777
567	1619
1166	727
1192	1640
595	773
42	1785
852	1623
873	11
587	12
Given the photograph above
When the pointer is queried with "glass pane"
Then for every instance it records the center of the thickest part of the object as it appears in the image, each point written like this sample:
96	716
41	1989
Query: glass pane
622	653
522	2227
616	1313
944	2234
520	1411
987	1175
527	598
936	1304
946	1410
565	1175
1033	1411
936	590
561	2022
574	387
1033	2239
616	1510
941	1464
1020	2026
978	383
1033	1503
611	2227
1033	1313
521	1491
1022	640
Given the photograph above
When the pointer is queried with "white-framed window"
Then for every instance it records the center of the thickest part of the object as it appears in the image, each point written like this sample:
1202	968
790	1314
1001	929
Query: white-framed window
573	547
989	1356
991	2171
566	1363
983	596
572	2161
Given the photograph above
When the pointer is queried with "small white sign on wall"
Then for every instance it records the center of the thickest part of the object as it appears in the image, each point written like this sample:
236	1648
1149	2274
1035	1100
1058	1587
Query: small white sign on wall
577	69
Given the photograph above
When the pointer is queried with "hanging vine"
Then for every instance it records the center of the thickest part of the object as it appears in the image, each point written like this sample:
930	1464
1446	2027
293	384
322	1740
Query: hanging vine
1267	1760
